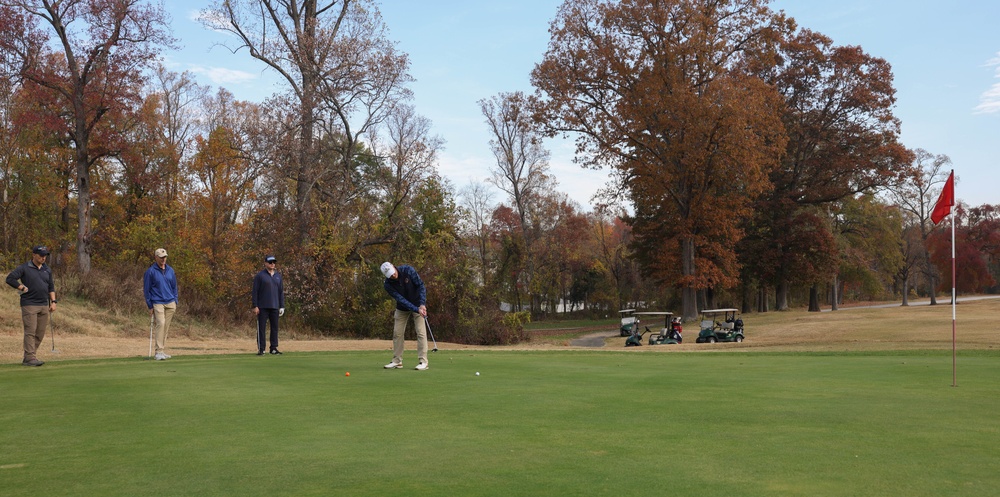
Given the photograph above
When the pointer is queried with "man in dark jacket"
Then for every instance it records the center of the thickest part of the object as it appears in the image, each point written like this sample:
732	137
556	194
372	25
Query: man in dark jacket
405	286
38	298
268	303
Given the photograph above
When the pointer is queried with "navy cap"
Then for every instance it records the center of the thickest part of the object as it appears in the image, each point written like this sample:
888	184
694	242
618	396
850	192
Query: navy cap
40	250
270	258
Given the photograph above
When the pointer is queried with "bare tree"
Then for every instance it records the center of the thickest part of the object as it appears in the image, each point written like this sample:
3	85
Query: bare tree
916	198
477	206
342	71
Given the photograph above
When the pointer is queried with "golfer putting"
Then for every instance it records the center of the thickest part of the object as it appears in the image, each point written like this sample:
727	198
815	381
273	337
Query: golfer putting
405	286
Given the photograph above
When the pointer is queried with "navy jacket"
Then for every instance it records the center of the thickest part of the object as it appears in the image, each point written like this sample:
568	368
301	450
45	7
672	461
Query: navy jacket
37	279
268	291
159	286
408	289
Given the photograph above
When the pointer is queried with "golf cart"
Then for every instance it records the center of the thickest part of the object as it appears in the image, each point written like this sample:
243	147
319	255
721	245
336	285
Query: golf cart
628	322
730	329
669	334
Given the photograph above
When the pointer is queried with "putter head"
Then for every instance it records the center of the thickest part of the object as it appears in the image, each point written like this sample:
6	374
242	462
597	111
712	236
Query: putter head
435	349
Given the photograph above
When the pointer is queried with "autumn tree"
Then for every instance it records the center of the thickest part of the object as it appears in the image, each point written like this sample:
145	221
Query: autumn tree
843	140
654	89
476	204
104	47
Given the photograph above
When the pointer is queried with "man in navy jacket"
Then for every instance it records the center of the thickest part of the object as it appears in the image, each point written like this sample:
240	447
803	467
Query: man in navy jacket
405	286
268	303
38	298
159	286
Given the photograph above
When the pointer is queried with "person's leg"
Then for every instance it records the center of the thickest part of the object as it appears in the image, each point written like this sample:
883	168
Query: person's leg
168	316
398	331
42	325
261	330
159	326
272	315
29	317
418	325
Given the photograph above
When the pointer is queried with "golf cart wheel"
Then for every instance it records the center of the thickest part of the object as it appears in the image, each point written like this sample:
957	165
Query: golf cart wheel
739	338
711	340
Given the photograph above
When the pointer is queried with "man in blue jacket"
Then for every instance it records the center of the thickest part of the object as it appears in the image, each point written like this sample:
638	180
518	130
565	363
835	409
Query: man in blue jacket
38	298
159	286
405	286
268	296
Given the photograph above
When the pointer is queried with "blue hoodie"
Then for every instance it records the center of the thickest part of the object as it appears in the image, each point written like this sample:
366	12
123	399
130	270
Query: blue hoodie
408	289
159	286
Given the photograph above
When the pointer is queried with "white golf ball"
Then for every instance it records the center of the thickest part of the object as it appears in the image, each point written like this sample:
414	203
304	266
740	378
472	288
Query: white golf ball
477	373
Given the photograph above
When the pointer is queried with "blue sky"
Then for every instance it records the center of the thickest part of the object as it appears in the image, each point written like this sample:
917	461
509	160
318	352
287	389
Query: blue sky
945	58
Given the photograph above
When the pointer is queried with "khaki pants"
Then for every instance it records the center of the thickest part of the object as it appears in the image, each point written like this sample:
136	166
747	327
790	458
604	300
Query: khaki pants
163	313
399	327
36	320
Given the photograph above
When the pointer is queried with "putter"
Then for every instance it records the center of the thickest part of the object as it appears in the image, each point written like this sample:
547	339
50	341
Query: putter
428	323
52	331
150	336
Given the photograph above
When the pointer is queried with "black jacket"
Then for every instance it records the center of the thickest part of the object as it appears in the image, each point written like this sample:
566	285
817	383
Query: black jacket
38	280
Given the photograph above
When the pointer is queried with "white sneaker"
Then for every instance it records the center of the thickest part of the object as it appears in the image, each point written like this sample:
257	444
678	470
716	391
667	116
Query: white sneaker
422	366
160	356
166	355
394	365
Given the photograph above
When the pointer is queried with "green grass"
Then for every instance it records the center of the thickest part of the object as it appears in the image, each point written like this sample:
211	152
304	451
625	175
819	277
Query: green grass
534	423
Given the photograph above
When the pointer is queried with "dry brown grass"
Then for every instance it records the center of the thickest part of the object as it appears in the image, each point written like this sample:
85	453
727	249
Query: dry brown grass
85	331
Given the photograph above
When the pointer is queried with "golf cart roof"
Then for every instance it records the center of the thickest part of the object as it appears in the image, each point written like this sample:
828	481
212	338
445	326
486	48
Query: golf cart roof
656	313
623	311
719	311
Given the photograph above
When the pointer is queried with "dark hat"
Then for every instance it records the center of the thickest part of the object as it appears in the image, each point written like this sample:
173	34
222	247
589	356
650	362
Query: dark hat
270	258
40	250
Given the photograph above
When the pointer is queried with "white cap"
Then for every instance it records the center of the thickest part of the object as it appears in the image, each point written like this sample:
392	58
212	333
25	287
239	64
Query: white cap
160	252
387	269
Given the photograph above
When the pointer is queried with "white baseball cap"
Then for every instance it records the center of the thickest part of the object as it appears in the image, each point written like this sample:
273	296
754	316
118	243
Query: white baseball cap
387	269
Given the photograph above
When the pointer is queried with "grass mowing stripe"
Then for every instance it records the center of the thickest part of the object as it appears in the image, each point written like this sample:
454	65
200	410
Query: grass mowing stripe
534	423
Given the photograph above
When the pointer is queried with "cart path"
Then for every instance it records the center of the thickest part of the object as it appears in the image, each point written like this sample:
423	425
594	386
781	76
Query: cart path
593	339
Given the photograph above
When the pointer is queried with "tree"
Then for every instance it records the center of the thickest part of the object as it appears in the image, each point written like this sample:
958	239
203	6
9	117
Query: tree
842	141
521	165
916	197
655	90
342	71
105	47
476	206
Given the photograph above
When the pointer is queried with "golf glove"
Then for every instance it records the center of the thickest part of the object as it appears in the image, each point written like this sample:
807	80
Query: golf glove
281	312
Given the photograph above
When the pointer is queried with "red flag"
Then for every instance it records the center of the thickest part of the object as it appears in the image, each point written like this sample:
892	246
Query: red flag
947	199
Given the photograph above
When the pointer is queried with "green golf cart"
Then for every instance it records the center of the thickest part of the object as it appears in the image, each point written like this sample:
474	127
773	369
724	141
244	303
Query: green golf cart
669	334
720	325
628	322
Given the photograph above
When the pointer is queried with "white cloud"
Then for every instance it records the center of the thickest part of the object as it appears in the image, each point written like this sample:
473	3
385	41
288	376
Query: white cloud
223	76
989	101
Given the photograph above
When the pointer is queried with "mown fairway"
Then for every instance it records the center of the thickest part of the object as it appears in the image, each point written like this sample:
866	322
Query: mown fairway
534	423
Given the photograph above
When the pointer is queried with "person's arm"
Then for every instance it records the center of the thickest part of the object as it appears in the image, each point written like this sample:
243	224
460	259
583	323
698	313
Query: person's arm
147	289
255	289
13	279
281	292
399	298
422	292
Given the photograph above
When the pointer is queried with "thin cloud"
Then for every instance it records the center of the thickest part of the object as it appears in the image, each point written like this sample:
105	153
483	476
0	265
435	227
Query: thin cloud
989	101
222	76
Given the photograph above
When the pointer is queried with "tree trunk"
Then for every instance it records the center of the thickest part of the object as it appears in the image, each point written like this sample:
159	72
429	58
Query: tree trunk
906	292
835	300
781	296
83	235
689	296
813	299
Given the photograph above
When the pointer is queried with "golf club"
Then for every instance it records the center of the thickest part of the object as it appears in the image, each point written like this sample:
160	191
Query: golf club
52	331
150	336
428	323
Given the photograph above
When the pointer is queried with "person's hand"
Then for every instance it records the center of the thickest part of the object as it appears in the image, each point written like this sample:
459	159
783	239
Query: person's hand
281	312
150	311
423	310
52	307
256	311
22	289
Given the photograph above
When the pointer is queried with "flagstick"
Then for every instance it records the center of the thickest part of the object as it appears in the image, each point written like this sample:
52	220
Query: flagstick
954	355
